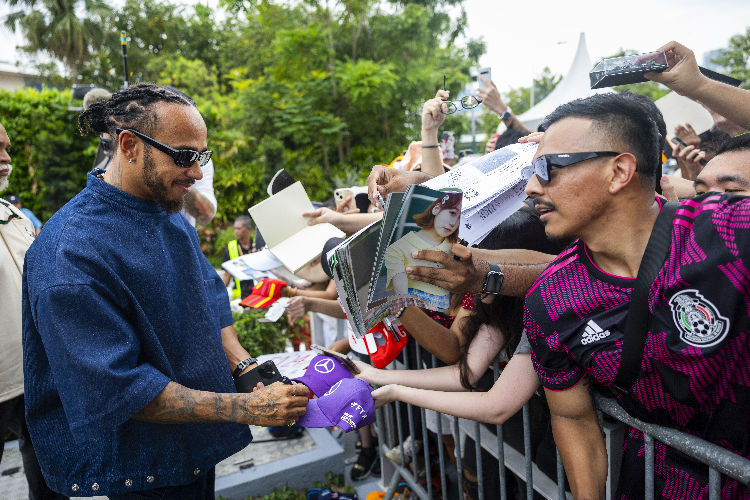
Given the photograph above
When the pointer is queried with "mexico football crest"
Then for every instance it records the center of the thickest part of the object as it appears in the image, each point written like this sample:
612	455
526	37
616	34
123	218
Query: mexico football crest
698	320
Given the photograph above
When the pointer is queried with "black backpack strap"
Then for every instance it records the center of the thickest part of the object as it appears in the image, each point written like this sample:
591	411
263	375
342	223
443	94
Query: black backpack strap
637	320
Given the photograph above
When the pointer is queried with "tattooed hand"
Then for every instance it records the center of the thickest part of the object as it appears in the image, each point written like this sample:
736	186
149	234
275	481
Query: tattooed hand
276	405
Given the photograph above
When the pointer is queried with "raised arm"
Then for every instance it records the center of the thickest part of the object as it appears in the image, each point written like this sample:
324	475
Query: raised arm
491	99
684	77
579	439
432	118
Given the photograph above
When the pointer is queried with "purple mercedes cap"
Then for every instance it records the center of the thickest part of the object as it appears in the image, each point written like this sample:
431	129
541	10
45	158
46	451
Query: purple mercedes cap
322	373
347	404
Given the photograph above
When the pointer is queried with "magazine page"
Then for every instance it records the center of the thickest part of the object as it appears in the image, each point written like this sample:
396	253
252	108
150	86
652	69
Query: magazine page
427	220
389	219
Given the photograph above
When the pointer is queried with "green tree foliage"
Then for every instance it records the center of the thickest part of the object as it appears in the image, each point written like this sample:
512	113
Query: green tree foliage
50	158
322	89
736	58
258	337
64	29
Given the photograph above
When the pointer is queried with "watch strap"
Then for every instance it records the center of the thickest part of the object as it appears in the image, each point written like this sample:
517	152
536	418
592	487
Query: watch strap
242	365
493	281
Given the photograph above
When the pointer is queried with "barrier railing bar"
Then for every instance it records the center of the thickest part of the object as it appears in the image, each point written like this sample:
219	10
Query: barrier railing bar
391	489
715	456
515	461
648	441
500	443
479	466
714	484
425	437
381	416
399	432
457	453
527	452
441	454
406	475
560	476
410	422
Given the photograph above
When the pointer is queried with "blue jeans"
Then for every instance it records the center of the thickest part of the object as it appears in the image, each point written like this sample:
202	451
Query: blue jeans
200	489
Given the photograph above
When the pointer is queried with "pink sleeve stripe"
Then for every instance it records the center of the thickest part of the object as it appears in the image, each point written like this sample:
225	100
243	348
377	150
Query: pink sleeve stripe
695	204
692	213
685	223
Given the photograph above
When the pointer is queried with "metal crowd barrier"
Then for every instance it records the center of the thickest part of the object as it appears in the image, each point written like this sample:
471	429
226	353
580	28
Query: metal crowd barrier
393	431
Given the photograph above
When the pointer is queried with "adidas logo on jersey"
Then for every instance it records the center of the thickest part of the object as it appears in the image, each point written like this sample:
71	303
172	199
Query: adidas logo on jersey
593	332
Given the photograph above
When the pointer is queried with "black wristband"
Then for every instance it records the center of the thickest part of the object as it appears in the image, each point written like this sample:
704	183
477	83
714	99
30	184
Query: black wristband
493	281
432	146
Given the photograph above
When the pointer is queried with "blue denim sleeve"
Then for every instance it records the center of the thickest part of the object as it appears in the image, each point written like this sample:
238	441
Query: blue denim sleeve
95	356
222	302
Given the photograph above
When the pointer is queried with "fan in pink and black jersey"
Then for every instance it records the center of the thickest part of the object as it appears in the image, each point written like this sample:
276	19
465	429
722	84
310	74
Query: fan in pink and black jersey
594	177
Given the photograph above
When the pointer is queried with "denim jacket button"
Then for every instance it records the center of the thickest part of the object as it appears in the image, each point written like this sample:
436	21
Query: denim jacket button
95	487
149	479
196	471
128	483
75	488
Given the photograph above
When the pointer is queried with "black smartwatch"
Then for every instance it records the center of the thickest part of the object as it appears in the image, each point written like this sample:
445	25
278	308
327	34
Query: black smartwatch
493	281
506	115
242	365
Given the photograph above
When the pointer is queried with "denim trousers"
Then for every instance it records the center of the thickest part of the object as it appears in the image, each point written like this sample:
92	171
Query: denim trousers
12	418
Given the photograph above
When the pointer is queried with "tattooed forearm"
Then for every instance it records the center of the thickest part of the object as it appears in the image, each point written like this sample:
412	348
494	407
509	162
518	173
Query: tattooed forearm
277	404
199	207
178	404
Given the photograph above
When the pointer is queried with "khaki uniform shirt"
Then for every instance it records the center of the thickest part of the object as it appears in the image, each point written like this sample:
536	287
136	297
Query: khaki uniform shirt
16	234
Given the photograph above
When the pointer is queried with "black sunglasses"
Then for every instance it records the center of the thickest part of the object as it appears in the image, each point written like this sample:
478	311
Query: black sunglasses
545	163
184	158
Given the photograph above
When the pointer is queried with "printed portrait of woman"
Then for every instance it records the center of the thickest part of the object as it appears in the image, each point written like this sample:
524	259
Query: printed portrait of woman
438	231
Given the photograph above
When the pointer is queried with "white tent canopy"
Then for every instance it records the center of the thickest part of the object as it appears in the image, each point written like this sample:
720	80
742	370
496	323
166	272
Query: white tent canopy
574	85
679	110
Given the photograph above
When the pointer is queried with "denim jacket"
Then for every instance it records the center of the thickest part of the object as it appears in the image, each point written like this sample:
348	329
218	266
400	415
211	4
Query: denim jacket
117	301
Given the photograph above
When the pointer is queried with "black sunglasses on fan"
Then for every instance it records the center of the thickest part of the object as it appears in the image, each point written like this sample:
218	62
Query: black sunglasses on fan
184	158
545	163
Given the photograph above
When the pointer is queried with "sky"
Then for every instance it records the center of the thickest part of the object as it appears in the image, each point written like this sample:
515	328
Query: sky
524	37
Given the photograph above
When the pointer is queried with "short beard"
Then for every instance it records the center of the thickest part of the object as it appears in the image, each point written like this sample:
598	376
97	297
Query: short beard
154	183
6	180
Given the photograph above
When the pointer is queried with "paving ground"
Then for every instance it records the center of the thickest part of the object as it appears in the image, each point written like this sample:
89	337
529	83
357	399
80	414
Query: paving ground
263	450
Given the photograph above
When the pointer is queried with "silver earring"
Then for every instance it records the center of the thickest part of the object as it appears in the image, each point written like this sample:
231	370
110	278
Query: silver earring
130	160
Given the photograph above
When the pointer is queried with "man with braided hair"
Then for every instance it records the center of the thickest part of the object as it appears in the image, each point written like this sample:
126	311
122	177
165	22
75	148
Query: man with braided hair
129	346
